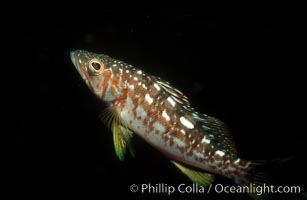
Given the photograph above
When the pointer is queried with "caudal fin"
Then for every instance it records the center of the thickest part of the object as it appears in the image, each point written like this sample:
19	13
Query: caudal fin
259	177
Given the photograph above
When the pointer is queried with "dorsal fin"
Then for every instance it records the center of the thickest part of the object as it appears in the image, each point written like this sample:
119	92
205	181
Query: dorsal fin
219	132
217	128
177	95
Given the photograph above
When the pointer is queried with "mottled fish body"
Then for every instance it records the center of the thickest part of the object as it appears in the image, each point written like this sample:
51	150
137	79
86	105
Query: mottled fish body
198	144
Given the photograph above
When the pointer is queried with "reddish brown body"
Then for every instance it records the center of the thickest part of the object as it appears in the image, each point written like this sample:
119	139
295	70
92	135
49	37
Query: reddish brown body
162	115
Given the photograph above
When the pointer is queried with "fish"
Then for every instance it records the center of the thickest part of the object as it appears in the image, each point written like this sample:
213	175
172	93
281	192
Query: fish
199	145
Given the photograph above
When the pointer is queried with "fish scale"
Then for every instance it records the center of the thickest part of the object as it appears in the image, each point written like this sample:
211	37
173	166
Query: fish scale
162	115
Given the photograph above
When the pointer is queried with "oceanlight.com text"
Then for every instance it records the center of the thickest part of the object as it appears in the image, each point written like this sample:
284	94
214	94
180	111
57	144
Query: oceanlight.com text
163	188
257	189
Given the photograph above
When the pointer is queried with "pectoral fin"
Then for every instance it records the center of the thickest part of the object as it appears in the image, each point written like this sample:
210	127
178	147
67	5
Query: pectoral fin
198	177
121	134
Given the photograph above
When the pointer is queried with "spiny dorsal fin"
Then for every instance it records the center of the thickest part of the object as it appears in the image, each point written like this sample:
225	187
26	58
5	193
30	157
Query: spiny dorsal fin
177	95
198	177
121	134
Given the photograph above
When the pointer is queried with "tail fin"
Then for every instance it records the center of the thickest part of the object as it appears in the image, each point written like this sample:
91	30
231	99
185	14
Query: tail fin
259	177
261	170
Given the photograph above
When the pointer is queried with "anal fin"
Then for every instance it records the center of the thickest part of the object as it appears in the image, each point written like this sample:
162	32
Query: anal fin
199	177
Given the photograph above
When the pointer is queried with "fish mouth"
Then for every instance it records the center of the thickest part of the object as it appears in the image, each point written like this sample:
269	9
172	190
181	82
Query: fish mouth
74	60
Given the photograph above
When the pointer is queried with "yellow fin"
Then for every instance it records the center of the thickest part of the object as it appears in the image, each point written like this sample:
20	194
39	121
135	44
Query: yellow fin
122	135
127	135
199	177
122	140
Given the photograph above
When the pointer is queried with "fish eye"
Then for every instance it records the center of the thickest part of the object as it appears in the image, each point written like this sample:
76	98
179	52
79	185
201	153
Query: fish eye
96	67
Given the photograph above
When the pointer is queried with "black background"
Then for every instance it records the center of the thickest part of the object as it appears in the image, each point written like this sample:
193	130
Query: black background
239	68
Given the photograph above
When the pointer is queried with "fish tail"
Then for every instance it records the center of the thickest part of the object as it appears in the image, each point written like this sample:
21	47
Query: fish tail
258	173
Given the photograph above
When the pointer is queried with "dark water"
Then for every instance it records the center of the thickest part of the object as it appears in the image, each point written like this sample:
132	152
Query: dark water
237	68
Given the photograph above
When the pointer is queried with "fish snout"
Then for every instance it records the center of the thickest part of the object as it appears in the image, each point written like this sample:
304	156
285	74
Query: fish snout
75	60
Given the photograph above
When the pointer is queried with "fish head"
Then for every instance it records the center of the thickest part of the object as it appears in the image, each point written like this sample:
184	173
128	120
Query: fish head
93	68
